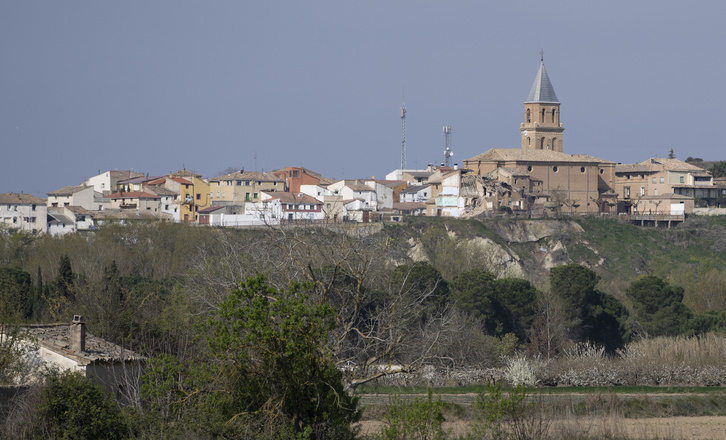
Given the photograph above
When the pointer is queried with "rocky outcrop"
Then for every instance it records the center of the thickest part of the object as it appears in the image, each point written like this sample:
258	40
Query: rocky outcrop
527	231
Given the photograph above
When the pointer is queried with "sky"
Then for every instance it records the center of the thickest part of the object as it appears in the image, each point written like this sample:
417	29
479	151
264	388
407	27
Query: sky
158	86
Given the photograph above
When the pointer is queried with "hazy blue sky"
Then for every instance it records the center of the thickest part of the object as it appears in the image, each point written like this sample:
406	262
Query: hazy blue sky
155	86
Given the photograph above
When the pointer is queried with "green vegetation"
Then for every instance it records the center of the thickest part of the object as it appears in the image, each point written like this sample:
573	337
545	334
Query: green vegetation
273	333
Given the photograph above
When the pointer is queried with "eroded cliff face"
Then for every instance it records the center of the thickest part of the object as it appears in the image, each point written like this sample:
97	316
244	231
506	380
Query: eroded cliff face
539	247
527	231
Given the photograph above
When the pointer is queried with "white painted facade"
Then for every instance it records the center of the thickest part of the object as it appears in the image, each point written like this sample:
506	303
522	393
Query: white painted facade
27	215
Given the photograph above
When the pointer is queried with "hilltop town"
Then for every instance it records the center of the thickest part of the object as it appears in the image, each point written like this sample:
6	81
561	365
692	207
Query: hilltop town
536	180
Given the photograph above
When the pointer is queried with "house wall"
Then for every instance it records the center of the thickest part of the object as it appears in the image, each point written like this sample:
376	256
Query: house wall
30	218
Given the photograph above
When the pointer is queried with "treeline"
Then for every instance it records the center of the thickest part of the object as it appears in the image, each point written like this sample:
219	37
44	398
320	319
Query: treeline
268	332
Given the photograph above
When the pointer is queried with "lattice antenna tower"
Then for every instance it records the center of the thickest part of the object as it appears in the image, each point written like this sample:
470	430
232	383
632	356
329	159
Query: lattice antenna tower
403	136
448	154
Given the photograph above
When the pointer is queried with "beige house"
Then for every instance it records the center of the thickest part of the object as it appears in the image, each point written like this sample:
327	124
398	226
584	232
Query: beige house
656	177
243	186
137	201
80	195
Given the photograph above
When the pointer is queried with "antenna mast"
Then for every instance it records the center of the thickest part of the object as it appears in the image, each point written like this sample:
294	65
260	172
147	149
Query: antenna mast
447	152
403	136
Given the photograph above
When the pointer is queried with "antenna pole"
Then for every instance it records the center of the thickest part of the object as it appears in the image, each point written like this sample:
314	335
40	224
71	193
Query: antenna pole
403	136
447	152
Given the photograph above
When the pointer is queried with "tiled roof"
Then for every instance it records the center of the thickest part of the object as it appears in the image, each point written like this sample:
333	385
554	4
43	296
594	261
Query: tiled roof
182	181
249	175
56	337
124	214
655	164
20	199
409	206
140	179
522	155
290	198
160	191
211	209
68	190
132	195
415	189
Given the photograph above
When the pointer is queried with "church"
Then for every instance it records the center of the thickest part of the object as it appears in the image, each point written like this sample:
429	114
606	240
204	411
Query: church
550	179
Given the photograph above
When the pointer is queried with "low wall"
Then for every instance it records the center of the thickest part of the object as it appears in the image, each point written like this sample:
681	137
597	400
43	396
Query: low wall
709	211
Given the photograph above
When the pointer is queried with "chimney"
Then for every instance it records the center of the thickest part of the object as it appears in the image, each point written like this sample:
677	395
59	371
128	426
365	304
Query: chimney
78	334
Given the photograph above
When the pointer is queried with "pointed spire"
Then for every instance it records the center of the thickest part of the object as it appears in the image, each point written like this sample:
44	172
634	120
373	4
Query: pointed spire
542	90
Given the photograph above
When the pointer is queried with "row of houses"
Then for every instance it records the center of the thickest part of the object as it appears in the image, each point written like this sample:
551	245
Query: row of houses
497	181
538	179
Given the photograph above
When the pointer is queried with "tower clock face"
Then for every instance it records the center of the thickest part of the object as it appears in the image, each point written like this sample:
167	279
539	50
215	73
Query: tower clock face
525	132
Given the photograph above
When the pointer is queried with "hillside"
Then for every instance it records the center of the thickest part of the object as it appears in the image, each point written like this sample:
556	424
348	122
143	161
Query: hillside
692	255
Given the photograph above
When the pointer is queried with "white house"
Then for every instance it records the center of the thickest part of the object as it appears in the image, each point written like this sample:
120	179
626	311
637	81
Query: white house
316	191
449	202
23	211
351	189
416	193
105	183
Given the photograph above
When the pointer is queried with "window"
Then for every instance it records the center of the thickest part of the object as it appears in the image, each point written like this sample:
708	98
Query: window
254	196
654	180
199	196
582	169
602	170
247	197
239	183
662	179
32	207
655	191
626	190
642	190
528	117
555	169
681	179
543	113
529	168
296	173
553	115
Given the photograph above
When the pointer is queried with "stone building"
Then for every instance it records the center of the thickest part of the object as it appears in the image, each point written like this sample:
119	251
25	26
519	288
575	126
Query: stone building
540	170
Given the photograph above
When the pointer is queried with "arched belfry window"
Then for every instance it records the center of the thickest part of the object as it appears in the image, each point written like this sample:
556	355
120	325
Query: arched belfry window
529	119
543	113
553	115
554	143
529	141
541	144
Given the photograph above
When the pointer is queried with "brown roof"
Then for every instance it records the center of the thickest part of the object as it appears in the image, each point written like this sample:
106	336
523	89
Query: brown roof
290	198
20	199
522	155
68	190
249	175
56	337
409	206
132	195
655	164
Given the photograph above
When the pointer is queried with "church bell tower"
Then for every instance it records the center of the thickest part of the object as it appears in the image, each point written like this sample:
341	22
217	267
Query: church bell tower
541	129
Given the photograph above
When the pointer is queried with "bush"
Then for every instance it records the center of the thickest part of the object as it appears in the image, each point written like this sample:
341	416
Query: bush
70	406
421	419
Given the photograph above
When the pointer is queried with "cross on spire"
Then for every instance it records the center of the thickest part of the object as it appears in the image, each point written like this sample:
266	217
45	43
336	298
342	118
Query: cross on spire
541	55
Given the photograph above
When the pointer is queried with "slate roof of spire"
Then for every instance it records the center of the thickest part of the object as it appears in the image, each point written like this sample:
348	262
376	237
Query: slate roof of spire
542	90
